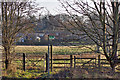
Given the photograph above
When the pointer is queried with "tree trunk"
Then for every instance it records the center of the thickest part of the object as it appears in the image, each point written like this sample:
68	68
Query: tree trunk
7	57
112	65
7	64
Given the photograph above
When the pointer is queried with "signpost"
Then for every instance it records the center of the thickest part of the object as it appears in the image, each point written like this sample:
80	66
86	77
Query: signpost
49	37
48	55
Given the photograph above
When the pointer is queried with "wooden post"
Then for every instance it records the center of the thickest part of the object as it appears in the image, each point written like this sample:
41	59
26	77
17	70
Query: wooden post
24	61
99	62
95	62
74	62
70	61
51	57
6	64
46	62
48	58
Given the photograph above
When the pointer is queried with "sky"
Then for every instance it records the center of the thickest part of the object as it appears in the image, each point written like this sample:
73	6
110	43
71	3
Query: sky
52	5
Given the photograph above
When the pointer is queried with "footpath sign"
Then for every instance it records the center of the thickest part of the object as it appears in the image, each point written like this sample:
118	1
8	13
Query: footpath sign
51	37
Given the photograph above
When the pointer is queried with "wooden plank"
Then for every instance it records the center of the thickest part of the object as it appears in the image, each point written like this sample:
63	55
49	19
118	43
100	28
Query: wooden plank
85	66
60	59
61	67
34	60
78	62
85	62
85	58
78	66
61	63
104	59
104	63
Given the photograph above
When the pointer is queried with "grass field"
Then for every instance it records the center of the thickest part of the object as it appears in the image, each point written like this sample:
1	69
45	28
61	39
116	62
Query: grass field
56	49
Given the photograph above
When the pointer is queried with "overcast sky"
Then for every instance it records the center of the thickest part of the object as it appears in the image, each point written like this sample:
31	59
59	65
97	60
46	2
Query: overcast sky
52	5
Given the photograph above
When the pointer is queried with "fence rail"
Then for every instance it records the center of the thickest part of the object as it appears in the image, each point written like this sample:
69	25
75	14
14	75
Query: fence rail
58	63
60	59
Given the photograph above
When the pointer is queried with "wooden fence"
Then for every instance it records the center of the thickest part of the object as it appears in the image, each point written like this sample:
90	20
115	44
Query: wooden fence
86	61
65	60
77	61
58	62
25	61
72	61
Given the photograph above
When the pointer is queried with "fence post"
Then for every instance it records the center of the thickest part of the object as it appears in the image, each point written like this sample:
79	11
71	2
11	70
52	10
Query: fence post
46	62
70	61
24	61
74	62
51	57
99	62
95	62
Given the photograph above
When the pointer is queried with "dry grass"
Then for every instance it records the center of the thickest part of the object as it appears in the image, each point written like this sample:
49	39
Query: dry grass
31	49
56	49
86	73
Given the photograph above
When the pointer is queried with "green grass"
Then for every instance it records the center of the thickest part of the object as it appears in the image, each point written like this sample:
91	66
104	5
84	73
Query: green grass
32	71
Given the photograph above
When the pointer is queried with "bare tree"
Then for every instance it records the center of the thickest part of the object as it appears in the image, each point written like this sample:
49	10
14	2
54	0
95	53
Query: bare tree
17	18
100	24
